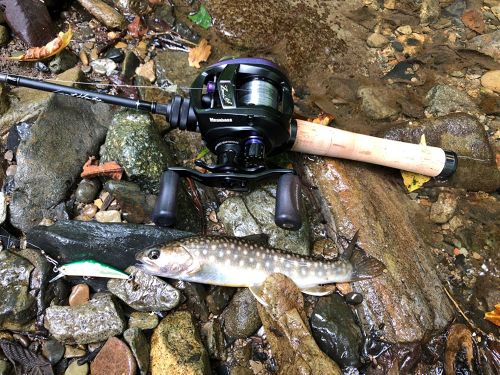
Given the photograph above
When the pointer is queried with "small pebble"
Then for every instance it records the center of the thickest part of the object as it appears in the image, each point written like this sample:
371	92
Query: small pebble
103	66
86	69
75	369
87	190
90	210
115	54
11	170
344	288
111	216
115	357
477	256
84	58
9	155
405	30
53	350
147	71
143	320
73	352
376	40
353	298
80	295
213	217
40	66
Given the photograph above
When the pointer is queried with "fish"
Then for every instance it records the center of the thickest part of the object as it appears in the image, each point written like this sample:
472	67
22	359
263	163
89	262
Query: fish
235	262
88	268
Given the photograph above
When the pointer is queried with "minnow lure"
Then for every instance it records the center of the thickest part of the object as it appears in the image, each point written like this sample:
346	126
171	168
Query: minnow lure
88	268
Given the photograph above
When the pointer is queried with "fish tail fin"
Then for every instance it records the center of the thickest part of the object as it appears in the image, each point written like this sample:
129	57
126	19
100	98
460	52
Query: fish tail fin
365	266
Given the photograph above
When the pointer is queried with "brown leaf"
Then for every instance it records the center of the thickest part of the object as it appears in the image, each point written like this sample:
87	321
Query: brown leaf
50	49
199	53
473	19
109	169
494	316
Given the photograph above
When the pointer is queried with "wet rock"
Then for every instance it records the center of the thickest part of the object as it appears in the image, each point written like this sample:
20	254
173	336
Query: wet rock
72	351
80	295
456	10
145	292
143	320
4	36
110	216
173	69
335	330
53	350
75	369
115	54
4	100
87	190
489	44
103	66
95	321
442	100
491	80
354	298
444	208
30	20
136	206
429	11
163	18
115	357
131	6
104	13
236	218
377	104
213	337
241	318
54	158
218	298
130	63
18	305
195	298
136	145
139	346
113	244
147	70
377	40
285	324
5	367
63	61
176	348
186	32
3	208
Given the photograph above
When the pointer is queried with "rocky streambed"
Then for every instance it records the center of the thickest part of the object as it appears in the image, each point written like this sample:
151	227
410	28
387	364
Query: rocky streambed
394	69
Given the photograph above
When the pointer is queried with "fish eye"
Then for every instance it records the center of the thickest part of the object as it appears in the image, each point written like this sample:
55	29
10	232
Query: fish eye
154	254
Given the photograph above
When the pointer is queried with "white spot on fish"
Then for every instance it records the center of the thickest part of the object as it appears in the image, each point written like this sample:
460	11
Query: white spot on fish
257	254
233	246
250	260
221	253
196	253
267	264
228	252
242	263
245	252
228	262
235	256
213	247
211	258
277	269
257	266
205	252
275	257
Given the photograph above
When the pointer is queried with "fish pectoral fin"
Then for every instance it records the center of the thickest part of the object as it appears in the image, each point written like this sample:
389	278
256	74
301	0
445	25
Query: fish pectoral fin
319	290
193	268
257	293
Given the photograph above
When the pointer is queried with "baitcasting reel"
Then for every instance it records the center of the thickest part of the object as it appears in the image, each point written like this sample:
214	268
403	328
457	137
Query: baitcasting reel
243	110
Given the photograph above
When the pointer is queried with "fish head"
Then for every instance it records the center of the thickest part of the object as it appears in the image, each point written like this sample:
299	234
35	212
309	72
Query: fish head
170	260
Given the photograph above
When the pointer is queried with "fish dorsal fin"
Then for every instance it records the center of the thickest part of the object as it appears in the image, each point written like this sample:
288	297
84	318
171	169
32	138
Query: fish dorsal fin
347	254
261	239
257	293
319	290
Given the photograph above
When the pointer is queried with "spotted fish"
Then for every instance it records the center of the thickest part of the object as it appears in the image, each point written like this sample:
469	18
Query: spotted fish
237	262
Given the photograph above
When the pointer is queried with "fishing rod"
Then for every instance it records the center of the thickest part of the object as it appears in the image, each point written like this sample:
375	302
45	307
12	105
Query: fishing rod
243	110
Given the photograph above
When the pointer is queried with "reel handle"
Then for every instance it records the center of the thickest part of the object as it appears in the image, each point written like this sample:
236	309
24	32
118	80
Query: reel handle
325	141
287	211
165	210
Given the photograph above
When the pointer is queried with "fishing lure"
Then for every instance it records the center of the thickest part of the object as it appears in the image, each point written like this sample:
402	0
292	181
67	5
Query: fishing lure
89	268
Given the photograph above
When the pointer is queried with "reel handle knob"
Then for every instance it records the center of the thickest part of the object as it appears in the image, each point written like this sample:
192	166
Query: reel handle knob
287	212
165	210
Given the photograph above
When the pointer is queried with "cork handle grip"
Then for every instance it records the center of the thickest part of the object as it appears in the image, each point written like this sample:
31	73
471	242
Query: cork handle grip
326	141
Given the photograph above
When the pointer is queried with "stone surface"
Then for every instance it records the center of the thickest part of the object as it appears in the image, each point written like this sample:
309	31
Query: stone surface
75	369
143	320
139	346
95	321
80	295
491	80
335	330
444	208
114	358
213	338
489	44
241	318
172	69
3	207
49	162
429	11
103	66
130	63
4	100
377	40
287	331
195	298
109	216
113	244
218	298
105	14
377	104
176	348
408	298
63	61
4	35
145	292
442	100
53	350
87	190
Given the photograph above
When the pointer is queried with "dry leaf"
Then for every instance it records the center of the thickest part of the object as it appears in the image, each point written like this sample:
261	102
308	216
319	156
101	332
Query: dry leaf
50	49
494	316
414	181
199	53
323	119
473	19
147	71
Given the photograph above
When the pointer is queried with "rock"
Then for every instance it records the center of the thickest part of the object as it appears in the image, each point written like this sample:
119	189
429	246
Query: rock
80	295
239	370
163	18
95	321
113	244
114	358
72	351
336	332
145	292
186	32
3	208
172	68
5	367
53	350
4	100
104	13
488	44
213	338
139	346
236	218
442	100
496	11
353	298
241	318
377	104
4	36
130	63
131	6
491	80
115	54
377	40
18	305
110	216
54	158
147	70
429	11
136	206
143	320
63	61
75	369
287	331
87	190
30	20
103	66
464	135
405	30
444	208
195	298
408	300
218	298
176	348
